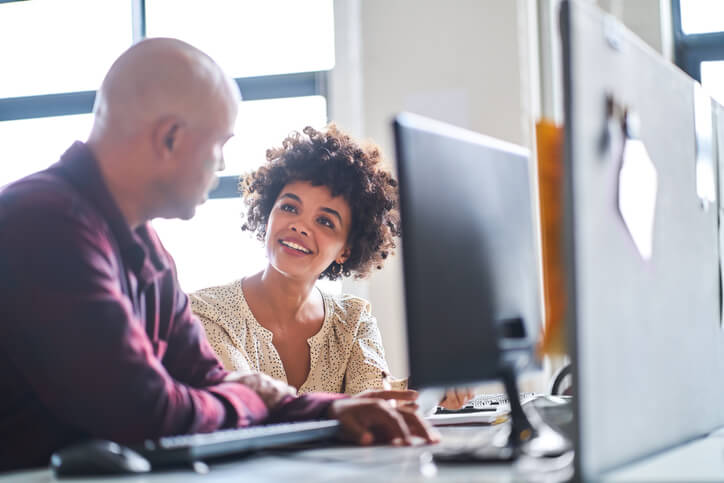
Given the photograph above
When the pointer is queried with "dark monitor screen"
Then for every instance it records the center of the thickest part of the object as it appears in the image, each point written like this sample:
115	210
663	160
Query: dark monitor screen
469	252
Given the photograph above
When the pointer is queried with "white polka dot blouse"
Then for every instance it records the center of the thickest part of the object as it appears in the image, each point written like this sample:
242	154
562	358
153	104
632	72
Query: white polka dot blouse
346	355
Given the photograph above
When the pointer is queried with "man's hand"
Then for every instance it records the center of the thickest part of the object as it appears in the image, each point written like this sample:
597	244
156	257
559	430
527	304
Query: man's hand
270	390
368	421
456	398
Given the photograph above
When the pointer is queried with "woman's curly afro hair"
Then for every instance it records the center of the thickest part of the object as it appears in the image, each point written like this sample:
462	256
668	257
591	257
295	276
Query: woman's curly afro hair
331	158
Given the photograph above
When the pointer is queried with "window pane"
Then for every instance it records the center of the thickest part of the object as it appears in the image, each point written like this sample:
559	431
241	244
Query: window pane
51	46
700	16
264	124
250	38
30	145
261	125
712	78
210	249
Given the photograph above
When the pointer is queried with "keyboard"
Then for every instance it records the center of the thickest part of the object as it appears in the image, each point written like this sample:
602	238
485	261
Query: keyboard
482	409
187	449
487	401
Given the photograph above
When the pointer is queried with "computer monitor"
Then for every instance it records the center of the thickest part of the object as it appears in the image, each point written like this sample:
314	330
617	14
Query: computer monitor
472	285
469	252
646	337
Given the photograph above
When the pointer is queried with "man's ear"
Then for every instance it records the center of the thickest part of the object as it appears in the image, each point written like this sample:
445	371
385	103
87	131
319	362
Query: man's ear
166	134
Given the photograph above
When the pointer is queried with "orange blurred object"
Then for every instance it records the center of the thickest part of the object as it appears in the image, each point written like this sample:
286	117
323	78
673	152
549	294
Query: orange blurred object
549	148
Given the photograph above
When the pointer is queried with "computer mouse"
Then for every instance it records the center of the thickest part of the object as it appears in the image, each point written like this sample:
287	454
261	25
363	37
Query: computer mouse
97	457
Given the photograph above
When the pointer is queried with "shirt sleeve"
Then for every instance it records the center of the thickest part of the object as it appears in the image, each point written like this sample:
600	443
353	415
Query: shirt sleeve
74	334
367	362
310	406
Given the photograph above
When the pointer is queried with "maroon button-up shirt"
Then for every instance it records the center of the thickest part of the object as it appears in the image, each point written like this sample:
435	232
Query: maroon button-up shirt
96	338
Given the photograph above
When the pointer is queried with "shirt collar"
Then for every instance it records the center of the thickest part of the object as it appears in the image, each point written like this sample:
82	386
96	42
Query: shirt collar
140	248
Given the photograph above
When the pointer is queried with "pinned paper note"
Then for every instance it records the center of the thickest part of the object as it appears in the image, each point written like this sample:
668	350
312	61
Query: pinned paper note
637	188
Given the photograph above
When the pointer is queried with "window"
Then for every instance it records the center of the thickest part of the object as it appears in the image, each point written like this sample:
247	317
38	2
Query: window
712	76
251	38
47	47
699	42
264	123
29	145
278	51
701	16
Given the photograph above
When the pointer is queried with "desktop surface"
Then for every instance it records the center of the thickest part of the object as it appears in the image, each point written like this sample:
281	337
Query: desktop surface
335	461
696	461
338	462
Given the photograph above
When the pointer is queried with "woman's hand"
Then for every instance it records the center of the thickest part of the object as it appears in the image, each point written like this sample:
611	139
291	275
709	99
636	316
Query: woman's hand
456	398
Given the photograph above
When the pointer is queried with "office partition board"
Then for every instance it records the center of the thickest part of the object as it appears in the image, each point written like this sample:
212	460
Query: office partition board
641	249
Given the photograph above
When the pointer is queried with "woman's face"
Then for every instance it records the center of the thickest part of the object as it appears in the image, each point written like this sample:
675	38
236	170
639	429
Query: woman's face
307	230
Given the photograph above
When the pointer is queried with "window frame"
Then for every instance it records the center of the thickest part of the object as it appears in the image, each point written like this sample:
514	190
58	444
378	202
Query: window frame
276	86
690	50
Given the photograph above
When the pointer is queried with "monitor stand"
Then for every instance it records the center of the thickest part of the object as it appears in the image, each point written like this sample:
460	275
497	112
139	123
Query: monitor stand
525	434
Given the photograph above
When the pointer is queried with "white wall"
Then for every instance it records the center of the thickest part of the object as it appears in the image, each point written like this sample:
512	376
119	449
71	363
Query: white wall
456	61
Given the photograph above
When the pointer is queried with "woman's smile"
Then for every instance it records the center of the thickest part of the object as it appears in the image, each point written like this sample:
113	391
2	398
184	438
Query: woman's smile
294	248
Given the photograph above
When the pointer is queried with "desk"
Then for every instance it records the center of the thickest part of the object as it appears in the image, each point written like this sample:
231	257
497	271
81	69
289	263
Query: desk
701	460
339	463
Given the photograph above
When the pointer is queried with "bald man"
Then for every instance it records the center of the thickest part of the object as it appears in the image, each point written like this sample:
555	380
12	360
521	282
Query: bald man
96	338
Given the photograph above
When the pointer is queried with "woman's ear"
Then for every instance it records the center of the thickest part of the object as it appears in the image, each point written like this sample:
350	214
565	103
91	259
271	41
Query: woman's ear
343	256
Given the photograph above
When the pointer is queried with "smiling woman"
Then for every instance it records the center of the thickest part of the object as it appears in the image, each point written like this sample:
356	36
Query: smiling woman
324	208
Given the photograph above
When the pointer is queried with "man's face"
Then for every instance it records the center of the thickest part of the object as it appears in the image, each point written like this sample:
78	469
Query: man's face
198	156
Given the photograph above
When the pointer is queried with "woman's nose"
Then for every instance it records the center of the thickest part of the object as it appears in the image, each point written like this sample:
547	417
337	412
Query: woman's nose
300	230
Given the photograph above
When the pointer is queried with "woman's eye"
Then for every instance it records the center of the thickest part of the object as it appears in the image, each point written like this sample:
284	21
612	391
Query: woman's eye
289	208
325	221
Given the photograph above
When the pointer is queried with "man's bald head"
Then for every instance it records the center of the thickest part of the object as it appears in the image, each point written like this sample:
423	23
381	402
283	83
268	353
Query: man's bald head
159	77
162	116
